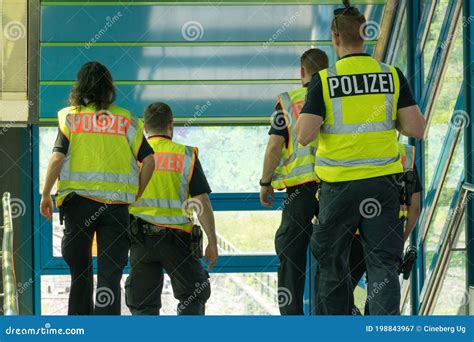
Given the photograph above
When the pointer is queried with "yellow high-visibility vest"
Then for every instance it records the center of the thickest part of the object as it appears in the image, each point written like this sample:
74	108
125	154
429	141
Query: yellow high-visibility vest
164	201
358	139
296	164
101	161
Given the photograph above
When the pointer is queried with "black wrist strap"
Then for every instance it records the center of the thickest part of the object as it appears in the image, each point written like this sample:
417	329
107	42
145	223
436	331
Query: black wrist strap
262	183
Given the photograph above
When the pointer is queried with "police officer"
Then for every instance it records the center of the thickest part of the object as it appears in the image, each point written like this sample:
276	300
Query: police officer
163	238
355	107
288	165
95	158
409	213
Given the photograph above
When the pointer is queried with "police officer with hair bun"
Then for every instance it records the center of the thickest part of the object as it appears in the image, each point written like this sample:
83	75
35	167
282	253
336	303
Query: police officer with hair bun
356	107
95	162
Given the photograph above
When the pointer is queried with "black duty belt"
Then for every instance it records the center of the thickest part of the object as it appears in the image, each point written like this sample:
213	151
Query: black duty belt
150	229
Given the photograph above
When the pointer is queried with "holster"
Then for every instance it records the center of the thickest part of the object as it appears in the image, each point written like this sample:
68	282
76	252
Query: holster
408	261
196	242
136	231
61	208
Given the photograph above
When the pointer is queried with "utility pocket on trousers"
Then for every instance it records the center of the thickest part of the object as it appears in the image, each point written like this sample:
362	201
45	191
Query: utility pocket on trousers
319	238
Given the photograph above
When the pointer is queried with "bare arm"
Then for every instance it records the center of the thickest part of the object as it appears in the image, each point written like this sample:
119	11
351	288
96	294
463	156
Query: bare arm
270	163
307	128
148	166
206	218
413	214
52	174
410	122
272	156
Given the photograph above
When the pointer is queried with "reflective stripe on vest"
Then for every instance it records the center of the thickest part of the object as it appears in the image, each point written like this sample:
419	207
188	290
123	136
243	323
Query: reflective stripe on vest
358	137
163	202
100	162
296	165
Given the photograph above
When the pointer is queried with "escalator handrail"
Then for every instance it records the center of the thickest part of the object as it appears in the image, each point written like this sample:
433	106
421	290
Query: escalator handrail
10	295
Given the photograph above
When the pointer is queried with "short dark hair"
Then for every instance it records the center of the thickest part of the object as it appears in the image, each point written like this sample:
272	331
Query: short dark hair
314	60
158	116
348	25
94	85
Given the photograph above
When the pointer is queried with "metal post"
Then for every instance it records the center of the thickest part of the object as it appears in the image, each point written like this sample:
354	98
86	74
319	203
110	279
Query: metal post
468	10
415	78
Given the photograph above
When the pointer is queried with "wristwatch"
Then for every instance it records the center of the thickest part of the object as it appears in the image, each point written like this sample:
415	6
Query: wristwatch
262	183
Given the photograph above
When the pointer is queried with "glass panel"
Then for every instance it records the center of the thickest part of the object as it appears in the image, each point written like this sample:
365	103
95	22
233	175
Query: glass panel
182	62
445	199
401	48
232	294
453	298
47	137
247	231
444	107
231	156
433	35
265	23
220	149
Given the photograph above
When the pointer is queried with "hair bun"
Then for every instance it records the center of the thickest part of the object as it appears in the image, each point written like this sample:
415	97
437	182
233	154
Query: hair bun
346	3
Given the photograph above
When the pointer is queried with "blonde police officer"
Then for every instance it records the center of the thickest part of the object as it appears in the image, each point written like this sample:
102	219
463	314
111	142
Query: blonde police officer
355	107
290	166
95	158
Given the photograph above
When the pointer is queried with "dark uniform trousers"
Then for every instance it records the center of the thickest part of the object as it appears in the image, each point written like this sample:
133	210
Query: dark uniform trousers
291	245
373	205
168	250
84	217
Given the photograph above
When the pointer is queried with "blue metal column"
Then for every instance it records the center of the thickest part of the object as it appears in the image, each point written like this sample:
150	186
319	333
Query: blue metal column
468	11
415	77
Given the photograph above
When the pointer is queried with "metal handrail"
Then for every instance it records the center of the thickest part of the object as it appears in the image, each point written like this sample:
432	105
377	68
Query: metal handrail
440	263
10	295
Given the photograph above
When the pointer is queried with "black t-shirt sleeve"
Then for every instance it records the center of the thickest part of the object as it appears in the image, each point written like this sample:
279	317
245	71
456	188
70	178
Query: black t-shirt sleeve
198	184
314	102
279	126
145	150
61	144
406	97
